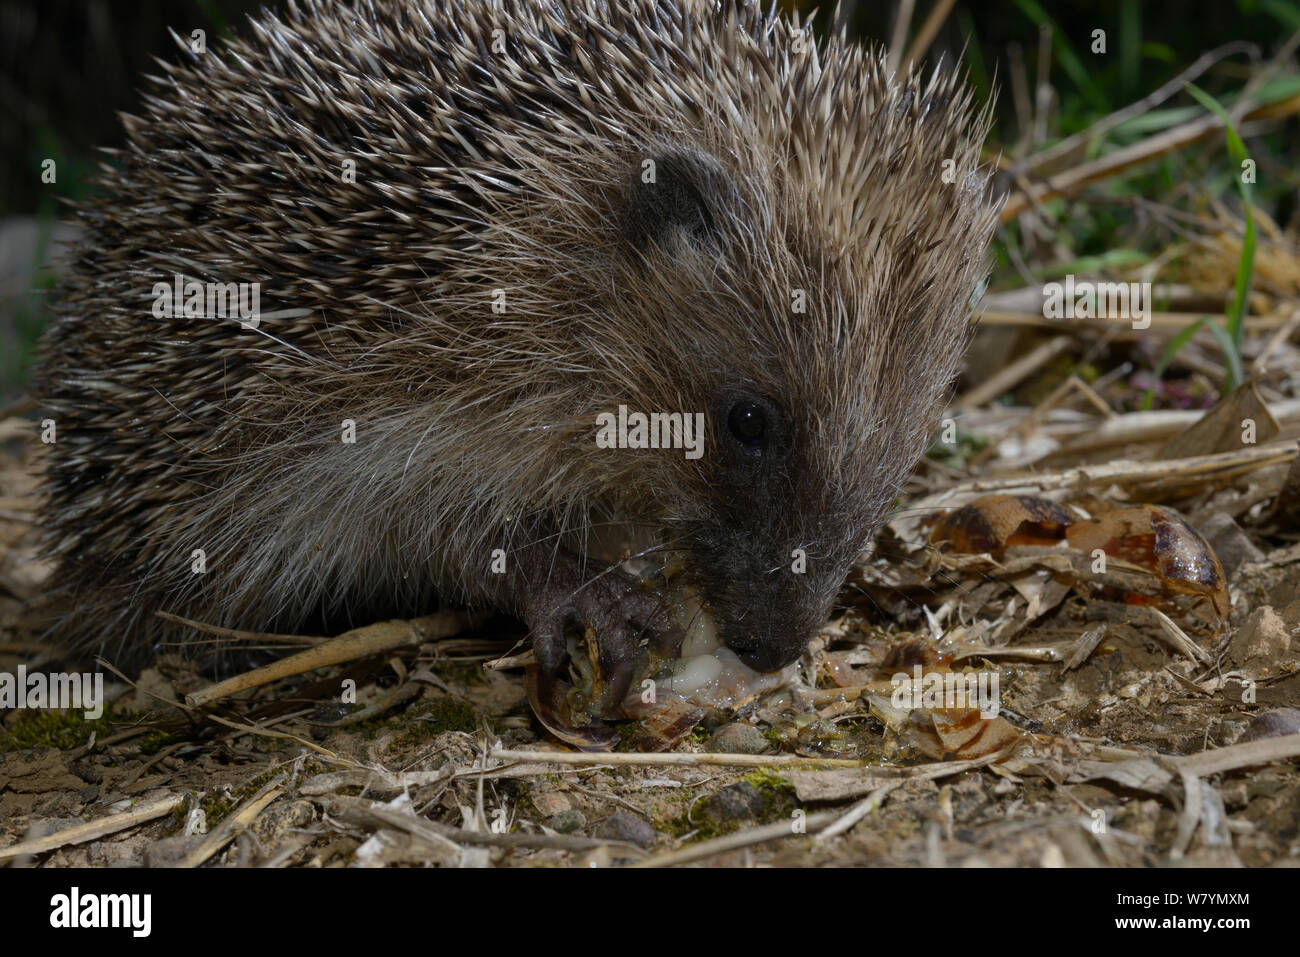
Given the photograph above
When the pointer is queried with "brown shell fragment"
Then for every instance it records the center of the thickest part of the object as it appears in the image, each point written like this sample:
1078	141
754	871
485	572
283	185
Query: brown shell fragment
1161	541
908	654
550	703
994	522
662	724
965	733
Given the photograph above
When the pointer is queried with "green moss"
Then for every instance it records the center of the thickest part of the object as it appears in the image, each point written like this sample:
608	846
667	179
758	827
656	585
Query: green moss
372	727
64	730
777	737
808	732
677	824
215	810
767	782
777	794
178	815
524	805
626	736
459	674
451	714
428	720
681	825
155	741
629	738
217	807
424	722
956	455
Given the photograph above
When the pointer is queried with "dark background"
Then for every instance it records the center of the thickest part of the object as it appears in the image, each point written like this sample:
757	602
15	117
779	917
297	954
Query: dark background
68	66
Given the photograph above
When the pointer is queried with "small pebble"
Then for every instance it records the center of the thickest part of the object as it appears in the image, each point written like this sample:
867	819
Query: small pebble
622	826
737	802
1231	545
549	802
1272	724
738	738
566	822
1264	637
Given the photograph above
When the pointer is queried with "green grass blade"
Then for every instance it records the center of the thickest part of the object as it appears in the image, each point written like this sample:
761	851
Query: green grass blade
1246	262
1180	339
1231	353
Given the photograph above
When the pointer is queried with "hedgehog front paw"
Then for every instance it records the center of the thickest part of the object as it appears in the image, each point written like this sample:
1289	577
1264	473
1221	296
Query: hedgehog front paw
587	645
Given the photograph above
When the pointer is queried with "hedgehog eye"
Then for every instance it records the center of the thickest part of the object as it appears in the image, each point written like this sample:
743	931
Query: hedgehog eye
747	422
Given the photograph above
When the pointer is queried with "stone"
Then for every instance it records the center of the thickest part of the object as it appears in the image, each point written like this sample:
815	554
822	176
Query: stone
622	826
1232	546
738	738
566	822
737	802
1264	637
549	801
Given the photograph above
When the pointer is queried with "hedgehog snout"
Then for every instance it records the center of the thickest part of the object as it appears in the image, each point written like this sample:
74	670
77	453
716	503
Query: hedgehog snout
767	622
761	654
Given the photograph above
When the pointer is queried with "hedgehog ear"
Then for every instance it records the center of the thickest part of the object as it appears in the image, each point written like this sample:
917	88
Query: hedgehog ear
676	195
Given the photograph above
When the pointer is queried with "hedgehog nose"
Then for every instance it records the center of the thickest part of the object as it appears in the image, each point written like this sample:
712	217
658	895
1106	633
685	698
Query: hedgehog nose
758	654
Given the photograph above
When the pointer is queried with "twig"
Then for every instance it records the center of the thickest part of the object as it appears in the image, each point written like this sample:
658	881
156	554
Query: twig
1137	108
1203	467
1031	421
1176	637
359	643
236	822
1282	335
1237	756
510	661
857	812
1012	375
93	830
387	701
1189	818
1134	427
901	21
746	838
368	813
284	736
1075	179
929	30
332	781
1085	645
625	758
1121	328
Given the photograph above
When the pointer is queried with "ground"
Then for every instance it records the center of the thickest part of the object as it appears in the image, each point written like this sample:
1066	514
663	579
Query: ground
1115	744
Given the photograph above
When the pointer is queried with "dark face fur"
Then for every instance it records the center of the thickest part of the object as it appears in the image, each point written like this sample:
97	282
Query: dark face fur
819	371
767	593
743	543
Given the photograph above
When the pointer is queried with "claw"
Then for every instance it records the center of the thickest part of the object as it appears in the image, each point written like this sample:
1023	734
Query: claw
613	614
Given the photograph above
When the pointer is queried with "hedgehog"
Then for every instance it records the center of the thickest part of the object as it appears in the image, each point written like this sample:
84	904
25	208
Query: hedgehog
475	230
